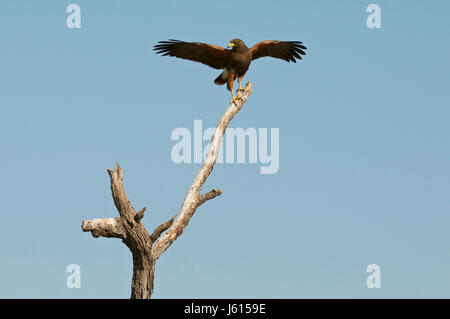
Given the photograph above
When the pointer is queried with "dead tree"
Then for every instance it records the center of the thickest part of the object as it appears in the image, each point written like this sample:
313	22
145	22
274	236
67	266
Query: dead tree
146	248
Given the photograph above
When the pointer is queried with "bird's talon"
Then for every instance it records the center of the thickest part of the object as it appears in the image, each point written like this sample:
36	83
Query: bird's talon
234	99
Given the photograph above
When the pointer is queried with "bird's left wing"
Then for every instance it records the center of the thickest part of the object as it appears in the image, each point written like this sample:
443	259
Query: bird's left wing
285	50
209	54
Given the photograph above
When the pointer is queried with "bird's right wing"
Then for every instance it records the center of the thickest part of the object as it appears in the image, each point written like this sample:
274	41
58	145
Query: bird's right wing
209	54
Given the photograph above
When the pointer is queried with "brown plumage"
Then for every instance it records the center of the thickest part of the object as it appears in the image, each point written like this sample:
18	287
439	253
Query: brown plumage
234	62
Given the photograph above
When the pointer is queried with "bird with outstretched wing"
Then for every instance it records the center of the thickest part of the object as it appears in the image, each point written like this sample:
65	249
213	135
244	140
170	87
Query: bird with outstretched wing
234	61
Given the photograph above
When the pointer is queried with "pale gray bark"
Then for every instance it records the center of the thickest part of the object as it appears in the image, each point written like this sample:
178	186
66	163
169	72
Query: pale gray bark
146	248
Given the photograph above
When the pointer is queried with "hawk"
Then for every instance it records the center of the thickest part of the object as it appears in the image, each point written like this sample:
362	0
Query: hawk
235	60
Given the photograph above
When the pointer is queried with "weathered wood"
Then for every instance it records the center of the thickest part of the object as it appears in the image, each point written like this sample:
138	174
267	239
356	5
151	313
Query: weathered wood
145	248
105	227
192	200
139	215
161	228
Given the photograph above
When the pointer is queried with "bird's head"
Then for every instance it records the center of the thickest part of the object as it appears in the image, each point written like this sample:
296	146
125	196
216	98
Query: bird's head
236	44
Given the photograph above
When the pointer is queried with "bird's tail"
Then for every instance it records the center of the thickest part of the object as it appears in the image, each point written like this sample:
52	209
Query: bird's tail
222	78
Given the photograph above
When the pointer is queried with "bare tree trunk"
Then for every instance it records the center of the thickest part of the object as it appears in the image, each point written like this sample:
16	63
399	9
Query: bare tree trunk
143	275
145	248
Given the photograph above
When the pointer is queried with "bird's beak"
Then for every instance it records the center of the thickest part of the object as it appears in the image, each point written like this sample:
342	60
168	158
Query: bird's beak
230	45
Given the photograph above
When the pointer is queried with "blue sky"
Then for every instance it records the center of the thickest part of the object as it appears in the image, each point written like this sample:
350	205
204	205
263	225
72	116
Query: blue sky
364	174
